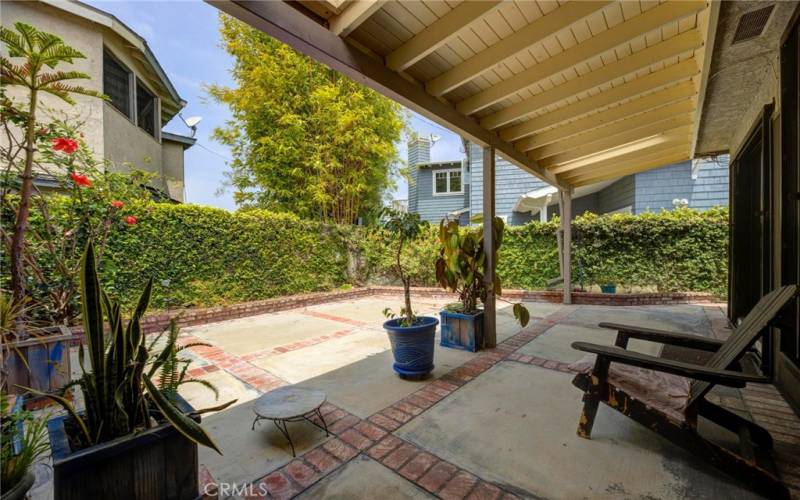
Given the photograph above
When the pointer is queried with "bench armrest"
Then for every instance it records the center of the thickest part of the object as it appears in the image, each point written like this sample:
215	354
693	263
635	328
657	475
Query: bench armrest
688	370
665	337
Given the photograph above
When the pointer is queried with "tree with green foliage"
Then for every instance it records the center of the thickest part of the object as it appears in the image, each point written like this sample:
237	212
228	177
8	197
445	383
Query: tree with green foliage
304	138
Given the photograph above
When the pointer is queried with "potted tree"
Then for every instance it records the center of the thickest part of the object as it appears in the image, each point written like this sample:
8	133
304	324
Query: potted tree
134	440
460	268
412	337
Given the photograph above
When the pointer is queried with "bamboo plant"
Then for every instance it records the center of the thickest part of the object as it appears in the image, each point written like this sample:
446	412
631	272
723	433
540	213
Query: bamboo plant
120	397
461	267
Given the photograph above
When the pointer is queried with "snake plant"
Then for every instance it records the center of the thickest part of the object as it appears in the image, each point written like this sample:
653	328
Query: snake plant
120	397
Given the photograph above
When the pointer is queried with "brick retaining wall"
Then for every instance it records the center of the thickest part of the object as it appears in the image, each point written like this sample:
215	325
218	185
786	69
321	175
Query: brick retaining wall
197	316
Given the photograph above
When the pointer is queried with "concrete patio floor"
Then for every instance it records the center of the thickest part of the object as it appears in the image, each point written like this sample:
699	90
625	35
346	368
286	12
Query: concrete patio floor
500	422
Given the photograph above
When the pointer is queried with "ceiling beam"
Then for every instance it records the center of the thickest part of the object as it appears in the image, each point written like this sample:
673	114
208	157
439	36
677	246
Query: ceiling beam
615	165
709	30
653	105
650	82
635	149
283	22
675	46
627	127
438	33
603	42
353	16
508	47
633	168
670	127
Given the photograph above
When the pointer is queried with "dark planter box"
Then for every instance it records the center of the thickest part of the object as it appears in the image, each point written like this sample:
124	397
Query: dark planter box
159	463
462	331
40	362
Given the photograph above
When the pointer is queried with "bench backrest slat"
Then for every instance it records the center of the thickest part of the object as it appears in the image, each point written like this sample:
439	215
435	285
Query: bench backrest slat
745	335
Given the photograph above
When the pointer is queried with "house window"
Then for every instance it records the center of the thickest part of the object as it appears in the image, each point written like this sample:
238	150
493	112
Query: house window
447	182
145	109
117	84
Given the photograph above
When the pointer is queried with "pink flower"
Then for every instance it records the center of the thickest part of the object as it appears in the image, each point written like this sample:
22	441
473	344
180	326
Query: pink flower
65	144
117	204
130	220
80	179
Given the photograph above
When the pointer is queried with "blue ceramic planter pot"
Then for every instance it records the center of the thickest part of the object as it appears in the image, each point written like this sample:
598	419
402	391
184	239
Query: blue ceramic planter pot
412	346
608	288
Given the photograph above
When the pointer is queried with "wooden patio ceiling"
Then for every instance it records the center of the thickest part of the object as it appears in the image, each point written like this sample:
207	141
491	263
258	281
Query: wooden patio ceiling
575	92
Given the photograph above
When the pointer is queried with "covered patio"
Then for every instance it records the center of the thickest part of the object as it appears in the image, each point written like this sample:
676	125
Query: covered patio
484	425
574	93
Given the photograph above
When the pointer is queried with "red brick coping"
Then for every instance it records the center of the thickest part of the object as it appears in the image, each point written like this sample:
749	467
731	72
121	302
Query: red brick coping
197	316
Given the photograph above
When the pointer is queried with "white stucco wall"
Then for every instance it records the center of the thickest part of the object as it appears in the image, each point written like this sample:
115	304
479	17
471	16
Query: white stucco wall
81	35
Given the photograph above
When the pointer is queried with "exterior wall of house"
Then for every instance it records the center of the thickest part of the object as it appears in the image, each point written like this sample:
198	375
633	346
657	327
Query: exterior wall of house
110	134
172	159
434	208
419	151
510	183
128	144
81	35
617	196
647	191
655	189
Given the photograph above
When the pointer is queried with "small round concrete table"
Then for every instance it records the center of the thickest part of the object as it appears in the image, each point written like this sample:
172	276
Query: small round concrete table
290	404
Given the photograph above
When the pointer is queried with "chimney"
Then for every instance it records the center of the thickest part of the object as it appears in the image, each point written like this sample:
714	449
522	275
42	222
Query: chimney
419	150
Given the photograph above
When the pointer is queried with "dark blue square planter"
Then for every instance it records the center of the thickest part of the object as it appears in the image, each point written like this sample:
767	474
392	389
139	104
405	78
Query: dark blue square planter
462	331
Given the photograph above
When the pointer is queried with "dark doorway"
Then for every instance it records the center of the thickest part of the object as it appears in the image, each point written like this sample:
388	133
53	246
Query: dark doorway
750	235
790	191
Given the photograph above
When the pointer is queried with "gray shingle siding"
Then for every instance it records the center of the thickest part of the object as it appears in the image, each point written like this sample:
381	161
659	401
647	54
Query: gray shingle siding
652	190
655	189
434	208
419	151
618	195
510	183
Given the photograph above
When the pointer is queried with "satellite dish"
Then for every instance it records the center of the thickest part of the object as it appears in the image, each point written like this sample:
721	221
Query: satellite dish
193	121
434	138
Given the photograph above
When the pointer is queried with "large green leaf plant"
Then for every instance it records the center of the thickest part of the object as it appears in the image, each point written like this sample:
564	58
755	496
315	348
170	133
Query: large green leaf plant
119	393
461	267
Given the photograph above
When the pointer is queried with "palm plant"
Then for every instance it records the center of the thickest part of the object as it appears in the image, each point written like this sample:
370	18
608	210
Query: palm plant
39	51
120	397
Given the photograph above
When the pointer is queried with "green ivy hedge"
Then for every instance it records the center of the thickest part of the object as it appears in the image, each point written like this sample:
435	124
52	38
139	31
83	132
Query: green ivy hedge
205	256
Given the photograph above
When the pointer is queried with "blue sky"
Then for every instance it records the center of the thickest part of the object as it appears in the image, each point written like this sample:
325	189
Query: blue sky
184	37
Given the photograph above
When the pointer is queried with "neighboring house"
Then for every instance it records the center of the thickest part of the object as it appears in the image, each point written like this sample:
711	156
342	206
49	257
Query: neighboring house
453	188
126	129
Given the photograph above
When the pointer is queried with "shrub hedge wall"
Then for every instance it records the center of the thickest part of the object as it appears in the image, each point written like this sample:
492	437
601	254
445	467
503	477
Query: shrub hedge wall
206	256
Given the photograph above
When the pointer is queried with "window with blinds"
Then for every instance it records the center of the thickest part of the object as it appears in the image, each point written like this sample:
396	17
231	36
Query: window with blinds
116	84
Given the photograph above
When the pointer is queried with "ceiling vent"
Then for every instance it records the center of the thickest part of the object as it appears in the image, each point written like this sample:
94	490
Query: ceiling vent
752	24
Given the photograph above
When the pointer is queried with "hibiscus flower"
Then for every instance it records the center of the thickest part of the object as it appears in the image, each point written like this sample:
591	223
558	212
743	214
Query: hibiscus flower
80	179
65	144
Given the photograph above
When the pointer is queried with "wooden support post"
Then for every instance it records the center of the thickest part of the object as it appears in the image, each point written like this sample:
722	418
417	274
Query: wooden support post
565	202
489	306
